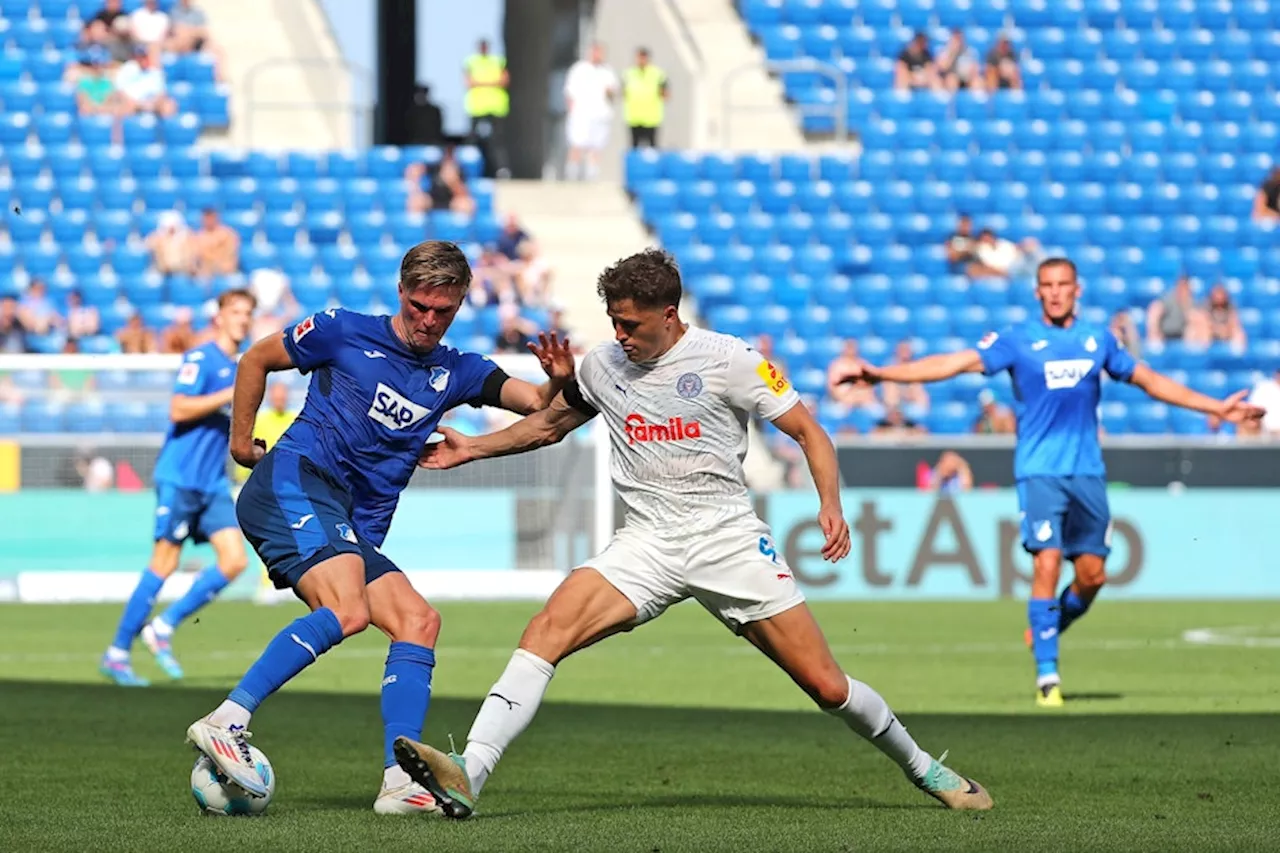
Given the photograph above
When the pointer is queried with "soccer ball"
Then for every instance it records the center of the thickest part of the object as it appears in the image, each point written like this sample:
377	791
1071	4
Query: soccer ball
216	795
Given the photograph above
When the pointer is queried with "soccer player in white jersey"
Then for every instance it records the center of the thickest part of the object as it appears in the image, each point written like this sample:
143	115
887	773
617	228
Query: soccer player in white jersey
590	89
676	402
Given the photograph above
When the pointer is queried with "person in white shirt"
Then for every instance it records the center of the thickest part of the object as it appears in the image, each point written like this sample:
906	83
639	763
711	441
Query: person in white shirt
676	402
149	25
142	84
590	89
1266	394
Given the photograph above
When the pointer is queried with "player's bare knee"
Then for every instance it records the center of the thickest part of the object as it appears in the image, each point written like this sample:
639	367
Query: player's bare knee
420	626
829	690
232	567
547	636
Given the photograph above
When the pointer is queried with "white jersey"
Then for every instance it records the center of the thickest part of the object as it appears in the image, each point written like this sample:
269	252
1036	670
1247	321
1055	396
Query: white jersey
678	426
588	88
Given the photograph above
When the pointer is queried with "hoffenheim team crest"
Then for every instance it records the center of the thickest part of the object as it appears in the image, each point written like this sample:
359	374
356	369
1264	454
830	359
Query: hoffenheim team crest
439	378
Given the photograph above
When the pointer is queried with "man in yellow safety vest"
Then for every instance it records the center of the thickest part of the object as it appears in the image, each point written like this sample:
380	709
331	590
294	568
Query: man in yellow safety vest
644	89
488	102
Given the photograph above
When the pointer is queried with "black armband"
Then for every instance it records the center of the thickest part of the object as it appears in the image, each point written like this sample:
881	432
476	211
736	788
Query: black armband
573	396
491	391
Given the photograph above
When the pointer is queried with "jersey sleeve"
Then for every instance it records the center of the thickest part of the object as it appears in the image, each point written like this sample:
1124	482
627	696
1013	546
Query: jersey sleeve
479	380
756	385
315	341
192	375
997	351
1119	362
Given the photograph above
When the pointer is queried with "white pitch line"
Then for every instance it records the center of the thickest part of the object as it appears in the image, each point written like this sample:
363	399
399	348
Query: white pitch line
1240	636
868	650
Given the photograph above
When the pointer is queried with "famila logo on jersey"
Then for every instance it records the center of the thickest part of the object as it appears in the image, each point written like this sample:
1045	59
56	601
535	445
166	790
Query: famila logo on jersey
676	429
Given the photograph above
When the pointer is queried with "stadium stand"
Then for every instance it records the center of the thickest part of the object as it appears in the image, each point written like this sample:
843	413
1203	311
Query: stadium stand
1137	147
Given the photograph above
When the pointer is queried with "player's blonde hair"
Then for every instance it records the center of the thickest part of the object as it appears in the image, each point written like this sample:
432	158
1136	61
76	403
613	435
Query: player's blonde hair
434	263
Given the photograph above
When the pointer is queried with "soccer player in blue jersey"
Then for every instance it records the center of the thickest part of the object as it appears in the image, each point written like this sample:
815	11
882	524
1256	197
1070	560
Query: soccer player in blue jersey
317	507
1056	362
193	498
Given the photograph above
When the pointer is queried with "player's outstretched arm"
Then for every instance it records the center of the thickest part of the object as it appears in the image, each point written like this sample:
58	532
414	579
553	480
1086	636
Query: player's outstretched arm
184	408
266	356
1234	409
933	368
820	453
525	398
540	429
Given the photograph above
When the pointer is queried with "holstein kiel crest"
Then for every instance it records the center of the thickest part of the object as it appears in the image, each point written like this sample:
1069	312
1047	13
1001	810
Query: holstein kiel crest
689	385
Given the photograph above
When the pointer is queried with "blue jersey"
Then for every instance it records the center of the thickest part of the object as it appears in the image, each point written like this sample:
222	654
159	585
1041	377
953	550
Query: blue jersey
372	405
1057	382
194	455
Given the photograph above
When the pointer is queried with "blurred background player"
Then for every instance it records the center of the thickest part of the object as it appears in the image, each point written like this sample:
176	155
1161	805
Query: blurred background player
590	88
676	401
1056	363
193	498
318	506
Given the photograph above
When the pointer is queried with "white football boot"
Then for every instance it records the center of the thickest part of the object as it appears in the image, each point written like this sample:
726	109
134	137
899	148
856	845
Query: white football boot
229	749
410	798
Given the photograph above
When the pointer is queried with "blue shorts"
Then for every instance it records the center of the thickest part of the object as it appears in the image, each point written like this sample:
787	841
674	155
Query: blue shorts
296	515
183	514
1070	514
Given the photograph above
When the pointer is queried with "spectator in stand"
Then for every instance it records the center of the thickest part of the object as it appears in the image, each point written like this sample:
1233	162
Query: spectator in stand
1174	317
276	306
1223	318
915	68
172	245
36	310
951	475
13	335
217	246
179	336
958	66
894	424
190	31
590	90
859	396
112	16
896	395
1003	71
142	86
491	280
135	338
444	188
555	321
994	257
149	24
83	321
1126	332
511	238
1266	204
95	91
993	418
533	275
1265	394
961	245
514	332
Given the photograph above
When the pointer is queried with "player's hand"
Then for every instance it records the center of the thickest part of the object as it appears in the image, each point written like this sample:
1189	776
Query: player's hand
554	355
251	455
836	529
861	374
1236	409
450	453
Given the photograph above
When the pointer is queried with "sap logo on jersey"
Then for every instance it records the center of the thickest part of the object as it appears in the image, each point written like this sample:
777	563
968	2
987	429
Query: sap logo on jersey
1066	373
393	411
639	430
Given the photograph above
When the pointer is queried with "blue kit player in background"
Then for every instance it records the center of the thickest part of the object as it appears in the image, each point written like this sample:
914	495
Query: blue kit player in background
1056	362
317	507
193	494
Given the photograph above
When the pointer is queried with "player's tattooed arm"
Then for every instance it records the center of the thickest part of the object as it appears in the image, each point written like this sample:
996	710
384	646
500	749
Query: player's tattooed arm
266	356
557	362
540	429
820	453
933	368
1234	409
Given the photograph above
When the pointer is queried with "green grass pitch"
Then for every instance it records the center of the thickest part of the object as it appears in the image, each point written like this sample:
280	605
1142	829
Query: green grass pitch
675	737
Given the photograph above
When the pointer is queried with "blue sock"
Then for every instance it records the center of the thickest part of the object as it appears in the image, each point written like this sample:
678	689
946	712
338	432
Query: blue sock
204	589
137	610
291	651
1072	607
1042	614
406	693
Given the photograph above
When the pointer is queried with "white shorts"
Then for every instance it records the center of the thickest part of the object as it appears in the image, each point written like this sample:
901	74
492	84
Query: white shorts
586	131
734	572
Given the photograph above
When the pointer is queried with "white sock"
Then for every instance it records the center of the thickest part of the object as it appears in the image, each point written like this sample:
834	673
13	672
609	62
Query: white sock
116	655
394	777
230	714
505	713
866	712
161	627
